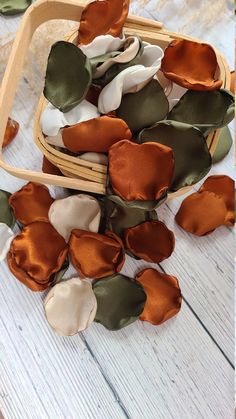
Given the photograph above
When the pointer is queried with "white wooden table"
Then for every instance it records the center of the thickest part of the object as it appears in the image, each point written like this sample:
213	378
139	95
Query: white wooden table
182	369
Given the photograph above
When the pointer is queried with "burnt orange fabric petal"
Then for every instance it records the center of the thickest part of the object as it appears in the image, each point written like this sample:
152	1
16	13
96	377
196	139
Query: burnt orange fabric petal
222	186
31	203
140	171
151	241
191	65
95	255
93	94
116	28
51	169
163	296
11	131
201	213
232	82
36	255
97	134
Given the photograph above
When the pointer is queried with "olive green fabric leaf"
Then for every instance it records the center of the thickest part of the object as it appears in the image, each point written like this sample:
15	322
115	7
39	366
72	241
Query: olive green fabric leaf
6	213
206	110
68	76
13	7
97	61
143	205
120	301
144	108
192	157
223	146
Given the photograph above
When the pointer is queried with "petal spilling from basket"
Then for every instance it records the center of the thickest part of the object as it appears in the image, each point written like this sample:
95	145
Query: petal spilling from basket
51	169
163	296
11	132
14	7
70	307
191	64
205	110
101	18
6	237
223	146
76	211
31	203
120	301
68	76
222	186
98	158
102	44
140	171
96	255
36	255
6	213
150	104
151	241
192	158
201	213
97	134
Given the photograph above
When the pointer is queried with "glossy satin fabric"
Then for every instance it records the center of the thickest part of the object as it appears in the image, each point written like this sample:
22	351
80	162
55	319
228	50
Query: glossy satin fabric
97	134
151	241
31	203
224	145
191	65
36	255
51	169
232	82
14	7
140	172
6	214
96	255
11	132
163	296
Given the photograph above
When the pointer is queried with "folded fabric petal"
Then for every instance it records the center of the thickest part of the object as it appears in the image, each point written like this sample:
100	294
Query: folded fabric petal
6	237
163	296
102	44
76	211
140	171
11	132
96	135
36	255
68	76
151	241
146	205
51	169
144	108
93	94
224	145
70	307
31	203
191	64
222	186
6	214
205	110
192	157
152	56
13	7
96	255
120	301
98	158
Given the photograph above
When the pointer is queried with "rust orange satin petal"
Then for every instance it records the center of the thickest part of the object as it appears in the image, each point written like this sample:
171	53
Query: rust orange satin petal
93	94
116	28
51	169
151	241
95	255
97	134
232	82
37	254
31	203
140	171
11	131
201	213
163	296
223	186
191	65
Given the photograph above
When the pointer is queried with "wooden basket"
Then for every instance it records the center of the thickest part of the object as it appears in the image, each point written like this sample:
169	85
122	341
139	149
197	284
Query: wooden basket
79	174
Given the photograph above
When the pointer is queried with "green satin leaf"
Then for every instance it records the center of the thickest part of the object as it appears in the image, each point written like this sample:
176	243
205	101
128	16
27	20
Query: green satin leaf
206	110
13	7
224	145
144	108
192	158
120	301
68	76
6	213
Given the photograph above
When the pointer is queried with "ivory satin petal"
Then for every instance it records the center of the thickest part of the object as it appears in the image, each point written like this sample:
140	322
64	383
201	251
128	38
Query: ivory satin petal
11	132
101	45
77	211
70	306
98	158
6	237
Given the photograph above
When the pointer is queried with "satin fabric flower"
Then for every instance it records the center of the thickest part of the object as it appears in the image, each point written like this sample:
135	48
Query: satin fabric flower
6	237
163	296
151	241
31	203
191	64
140	171
70	307
6	214
78	211
96	255
224	145
13	7
102	44
120	301
11	132
36	254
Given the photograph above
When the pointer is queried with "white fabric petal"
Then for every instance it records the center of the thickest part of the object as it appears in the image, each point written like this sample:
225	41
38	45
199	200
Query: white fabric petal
77	211
57	140
6	237
93	157
102	44
172	103
152	56
70	306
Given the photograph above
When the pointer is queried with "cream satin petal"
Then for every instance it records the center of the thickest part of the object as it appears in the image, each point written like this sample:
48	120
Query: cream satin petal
152	56
101	45
75	212
172	103
93	157
56	140
70	306
6	237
